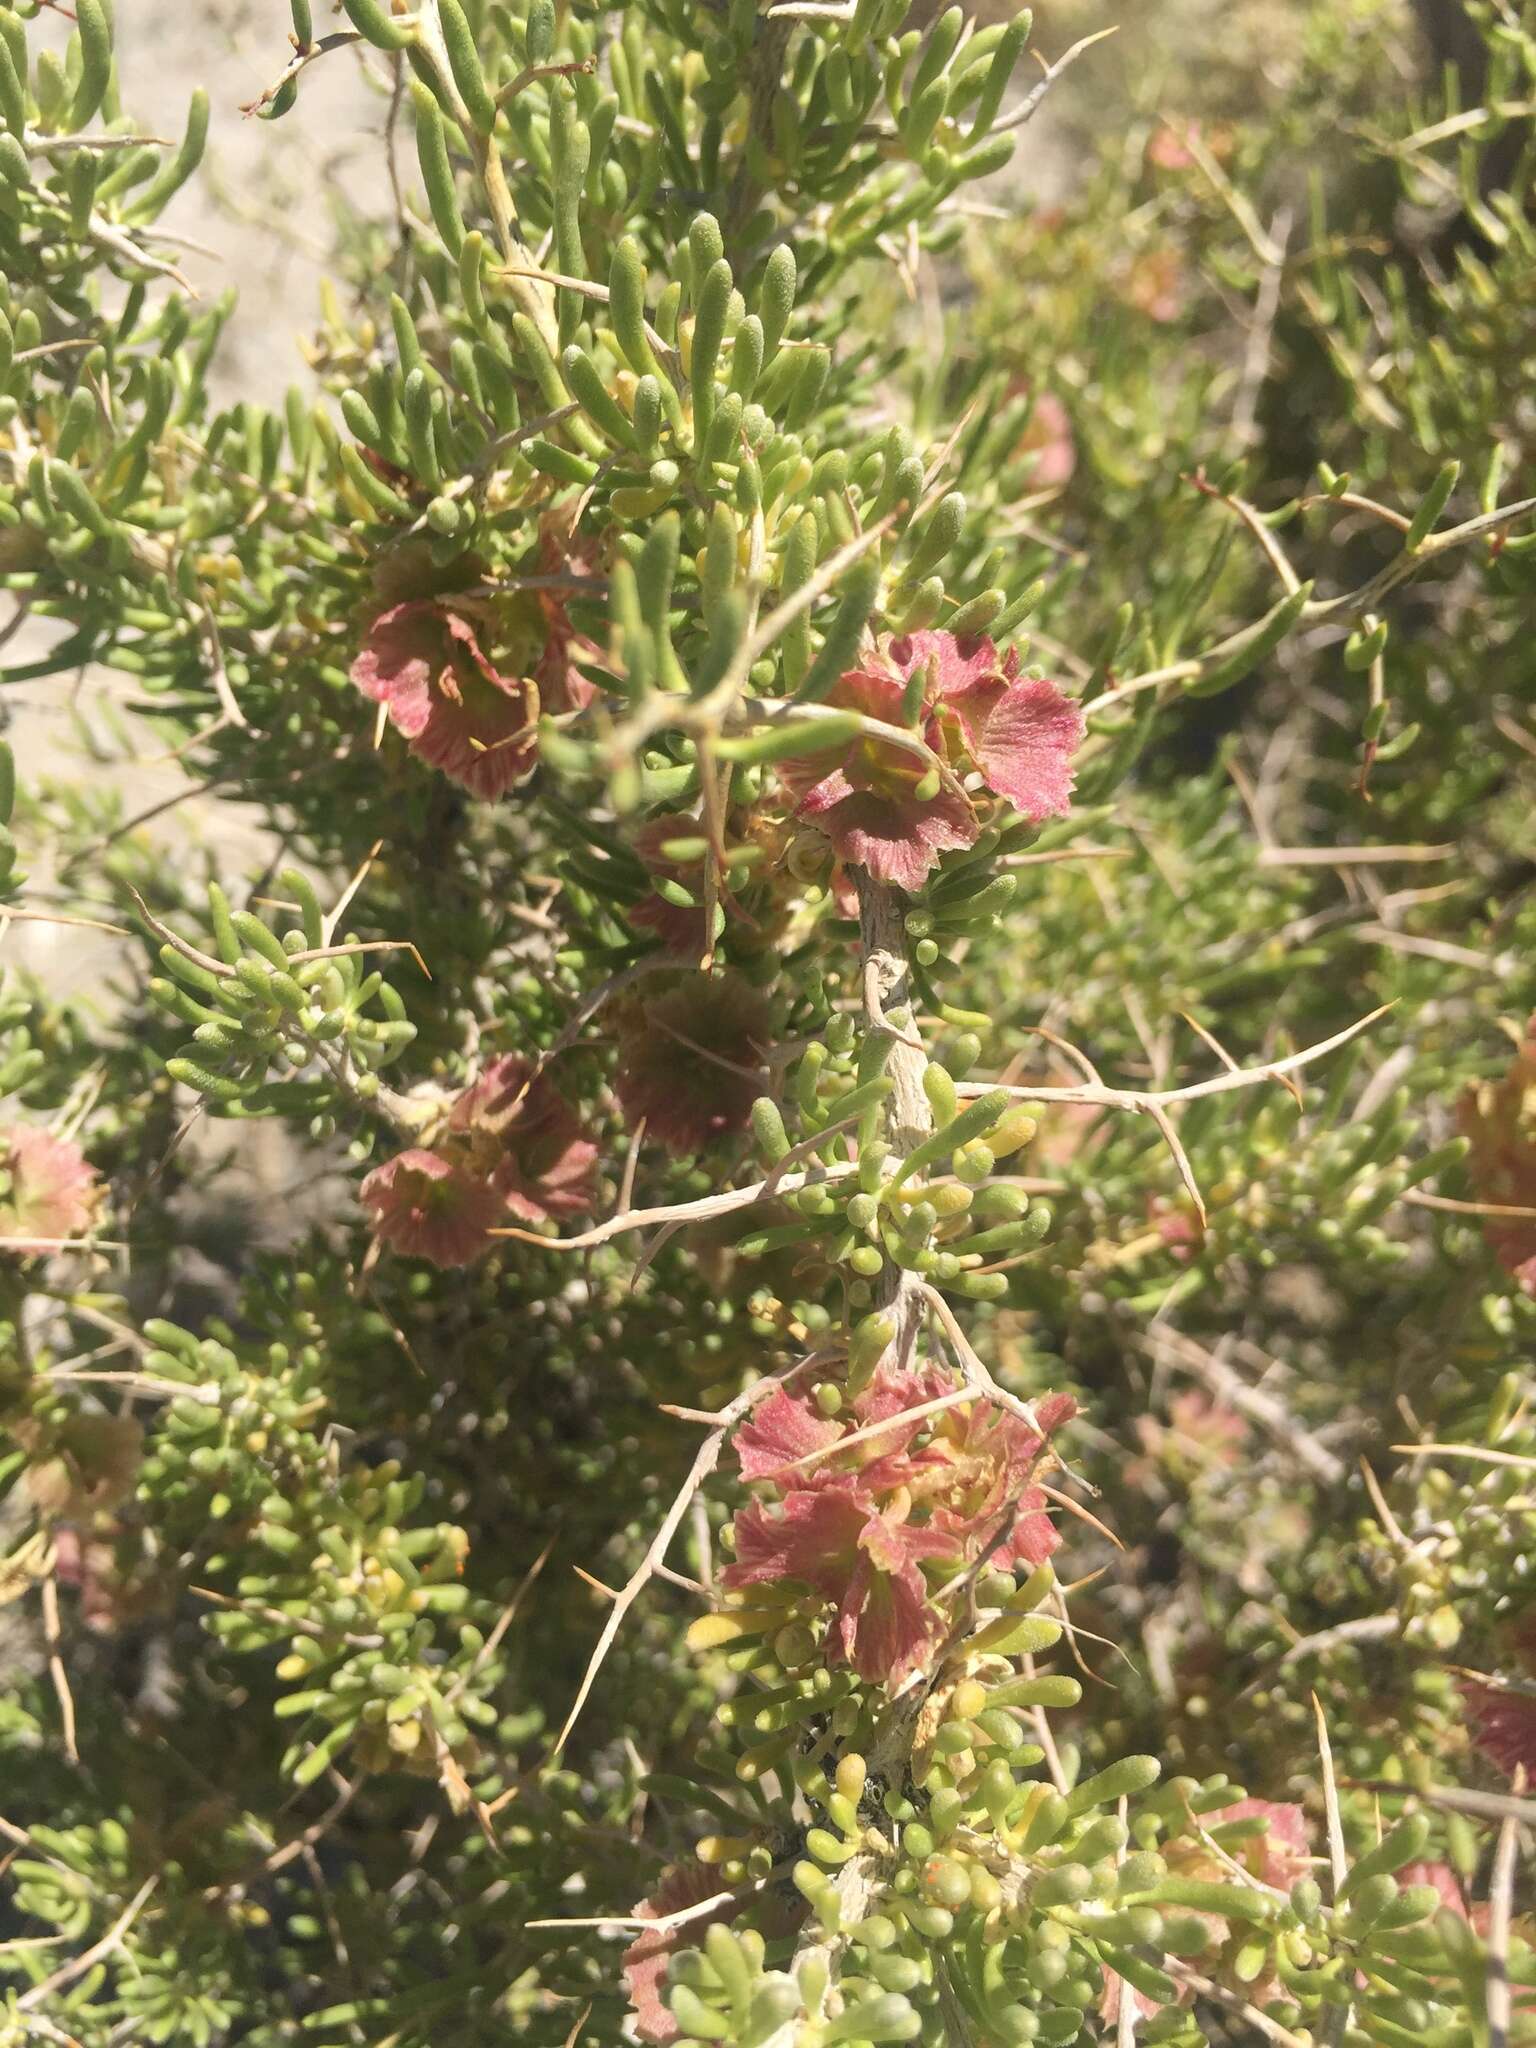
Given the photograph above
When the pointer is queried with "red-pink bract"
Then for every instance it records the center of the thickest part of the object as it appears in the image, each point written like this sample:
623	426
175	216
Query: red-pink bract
646	1960
1503	1726
869	803
883	806
836	1540
427	1208
857	1524
691	1060
423	662
540	1162
48	1189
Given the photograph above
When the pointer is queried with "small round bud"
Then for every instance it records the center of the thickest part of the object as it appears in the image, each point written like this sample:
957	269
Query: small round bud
947	1882
852	1771
968	1698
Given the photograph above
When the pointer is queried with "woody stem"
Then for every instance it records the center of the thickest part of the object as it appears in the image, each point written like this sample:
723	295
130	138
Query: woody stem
889	1010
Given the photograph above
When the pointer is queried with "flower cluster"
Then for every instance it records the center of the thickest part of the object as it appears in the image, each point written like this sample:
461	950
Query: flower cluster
649	1956
886	807
1201	1435
1504	1726
1259	1839
1501	1709
691	1059
473	713
456	710
508	1146
864	1505
49	1192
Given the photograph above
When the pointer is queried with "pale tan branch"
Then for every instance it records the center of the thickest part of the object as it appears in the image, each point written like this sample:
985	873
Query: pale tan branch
1219	1084
723	1204
77	1966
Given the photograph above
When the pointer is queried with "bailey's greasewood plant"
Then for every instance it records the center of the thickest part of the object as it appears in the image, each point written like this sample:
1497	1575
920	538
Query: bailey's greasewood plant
689	761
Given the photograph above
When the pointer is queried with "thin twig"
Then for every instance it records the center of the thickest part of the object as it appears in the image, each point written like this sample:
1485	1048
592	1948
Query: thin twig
218	673
1423	1200
1500	1899
1256	1404
1368	596
638	1922
289	1851
722	1204
1030	105
88	1958
1218	1084
176	942
705	1460
62	1244
1491	1806
1351	856
14	911
1338	1861
304	55
330	923
1060	853
1365	1628
1230	2002
1171	1139
1478	1452
53	1639
1270	253
61	145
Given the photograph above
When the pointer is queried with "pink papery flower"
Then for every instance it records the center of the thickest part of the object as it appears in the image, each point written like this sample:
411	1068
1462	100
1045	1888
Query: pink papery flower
874	805
976	1471
1142	2006
691	1060
1168	148
48	1189
785	1429
883	807
1168	151
1281	1854
779	1432
528	1140
973	1463
429	1208
1277	1855
647	1959
1021	733
423	662
1200	1435
857	1524
1503	1725
836	1540
1155	285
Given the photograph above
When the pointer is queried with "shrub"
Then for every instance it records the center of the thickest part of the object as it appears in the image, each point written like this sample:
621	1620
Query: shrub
897	900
